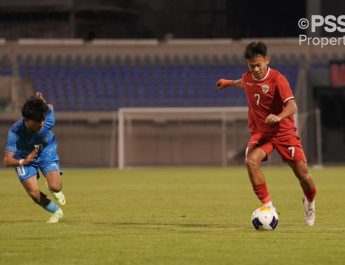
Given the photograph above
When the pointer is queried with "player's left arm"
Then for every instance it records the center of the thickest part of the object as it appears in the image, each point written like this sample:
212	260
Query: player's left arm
289	110
286	95
49	122
39	95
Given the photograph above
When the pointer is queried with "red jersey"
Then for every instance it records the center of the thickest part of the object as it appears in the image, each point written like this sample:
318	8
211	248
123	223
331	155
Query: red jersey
267	96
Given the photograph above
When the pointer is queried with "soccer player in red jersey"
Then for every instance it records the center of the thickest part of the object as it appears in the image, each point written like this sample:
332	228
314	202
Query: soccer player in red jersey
271	123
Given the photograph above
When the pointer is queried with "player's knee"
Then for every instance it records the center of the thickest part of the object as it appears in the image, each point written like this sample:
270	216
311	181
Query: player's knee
252	162
55	187
305	177
302	174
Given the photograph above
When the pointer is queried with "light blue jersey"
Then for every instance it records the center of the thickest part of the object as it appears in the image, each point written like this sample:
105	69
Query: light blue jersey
21	142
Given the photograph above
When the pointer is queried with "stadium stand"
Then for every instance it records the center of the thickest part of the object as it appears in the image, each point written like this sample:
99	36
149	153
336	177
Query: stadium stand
5	66
103	83
5	83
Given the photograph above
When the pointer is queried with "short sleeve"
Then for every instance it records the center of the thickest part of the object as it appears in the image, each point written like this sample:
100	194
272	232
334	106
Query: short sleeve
11	145
284	88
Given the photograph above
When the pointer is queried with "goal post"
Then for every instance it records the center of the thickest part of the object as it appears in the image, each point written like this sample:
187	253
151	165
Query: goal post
180	136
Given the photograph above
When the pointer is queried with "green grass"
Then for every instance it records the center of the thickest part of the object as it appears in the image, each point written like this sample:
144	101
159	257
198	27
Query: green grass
172	216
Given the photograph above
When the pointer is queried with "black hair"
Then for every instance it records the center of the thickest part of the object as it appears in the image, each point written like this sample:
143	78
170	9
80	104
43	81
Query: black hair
254	49
34	109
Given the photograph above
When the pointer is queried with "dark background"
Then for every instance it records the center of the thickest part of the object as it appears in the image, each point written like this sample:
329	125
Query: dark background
158	19
90	19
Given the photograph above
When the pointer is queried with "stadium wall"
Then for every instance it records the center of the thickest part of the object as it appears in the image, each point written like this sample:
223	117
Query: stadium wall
90	140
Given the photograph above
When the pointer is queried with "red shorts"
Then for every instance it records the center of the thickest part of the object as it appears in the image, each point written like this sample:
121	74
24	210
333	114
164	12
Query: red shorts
288	145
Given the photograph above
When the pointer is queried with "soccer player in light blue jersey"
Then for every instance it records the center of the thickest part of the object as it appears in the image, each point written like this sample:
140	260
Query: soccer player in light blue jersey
31	147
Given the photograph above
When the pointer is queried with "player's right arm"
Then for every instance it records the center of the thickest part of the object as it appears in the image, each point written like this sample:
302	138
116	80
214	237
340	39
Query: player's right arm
11	149
223	83
10	161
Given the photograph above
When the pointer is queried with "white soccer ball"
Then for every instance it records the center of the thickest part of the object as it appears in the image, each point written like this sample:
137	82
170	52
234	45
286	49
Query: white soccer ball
265	218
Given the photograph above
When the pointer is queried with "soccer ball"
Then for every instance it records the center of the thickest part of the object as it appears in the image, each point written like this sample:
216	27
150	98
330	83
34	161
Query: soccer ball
265	218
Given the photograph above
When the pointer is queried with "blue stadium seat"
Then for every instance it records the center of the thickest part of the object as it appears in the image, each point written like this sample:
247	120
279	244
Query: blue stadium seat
100	82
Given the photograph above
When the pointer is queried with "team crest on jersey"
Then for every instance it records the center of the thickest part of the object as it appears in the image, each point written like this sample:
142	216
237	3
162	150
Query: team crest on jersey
265	88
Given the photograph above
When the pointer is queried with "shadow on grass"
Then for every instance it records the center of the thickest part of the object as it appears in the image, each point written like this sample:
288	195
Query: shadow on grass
169	226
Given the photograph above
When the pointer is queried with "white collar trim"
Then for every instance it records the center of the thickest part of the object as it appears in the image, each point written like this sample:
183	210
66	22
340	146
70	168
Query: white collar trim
268	71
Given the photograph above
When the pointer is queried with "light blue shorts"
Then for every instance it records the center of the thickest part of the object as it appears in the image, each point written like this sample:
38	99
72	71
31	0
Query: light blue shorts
31	170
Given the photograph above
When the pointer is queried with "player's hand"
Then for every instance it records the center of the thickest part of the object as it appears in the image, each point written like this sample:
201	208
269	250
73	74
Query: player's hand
272	119
31	157
223	83
39	95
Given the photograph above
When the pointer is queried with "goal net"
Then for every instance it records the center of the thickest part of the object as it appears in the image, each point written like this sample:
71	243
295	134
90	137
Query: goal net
181	136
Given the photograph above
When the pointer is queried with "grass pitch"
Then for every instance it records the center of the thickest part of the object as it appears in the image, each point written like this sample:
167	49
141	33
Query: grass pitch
172	216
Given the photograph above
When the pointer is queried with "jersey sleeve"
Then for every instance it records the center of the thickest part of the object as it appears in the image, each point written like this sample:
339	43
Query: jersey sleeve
49	123
284	88
11	145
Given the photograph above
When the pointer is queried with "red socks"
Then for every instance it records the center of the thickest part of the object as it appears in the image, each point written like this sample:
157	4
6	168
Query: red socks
261	192
310	195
